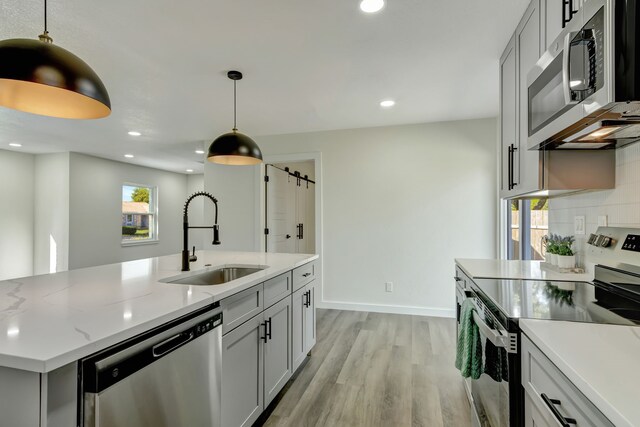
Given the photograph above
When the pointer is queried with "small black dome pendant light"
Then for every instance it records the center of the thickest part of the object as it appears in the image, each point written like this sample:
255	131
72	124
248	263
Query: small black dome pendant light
40	78
234	148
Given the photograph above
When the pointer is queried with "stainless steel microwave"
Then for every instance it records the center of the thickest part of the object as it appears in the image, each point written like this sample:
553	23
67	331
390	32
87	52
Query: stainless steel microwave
584	92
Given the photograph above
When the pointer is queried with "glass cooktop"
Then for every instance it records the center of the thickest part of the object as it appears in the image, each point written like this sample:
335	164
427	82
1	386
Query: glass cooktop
571	301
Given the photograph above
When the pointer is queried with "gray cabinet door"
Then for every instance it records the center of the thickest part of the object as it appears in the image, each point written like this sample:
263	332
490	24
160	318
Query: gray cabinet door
277	349
241	307
242	373
298	327
310	318
508	114
529	45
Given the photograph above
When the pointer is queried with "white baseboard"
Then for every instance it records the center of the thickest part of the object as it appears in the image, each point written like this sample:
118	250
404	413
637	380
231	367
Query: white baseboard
395	309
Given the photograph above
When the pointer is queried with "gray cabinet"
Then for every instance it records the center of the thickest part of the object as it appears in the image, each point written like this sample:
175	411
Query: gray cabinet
278	365
508	116
550	396
267	328
529	47
520	167
553	18
304	323
242	373
241	307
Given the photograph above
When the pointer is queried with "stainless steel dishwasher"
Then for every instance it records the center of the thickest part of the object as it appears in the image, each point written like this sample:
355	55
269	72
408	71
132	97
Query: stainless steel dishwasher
167	377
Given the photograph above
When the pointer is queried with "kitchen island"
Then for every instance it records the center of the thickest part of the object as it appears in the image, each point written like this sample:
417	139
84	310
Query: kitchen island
49	322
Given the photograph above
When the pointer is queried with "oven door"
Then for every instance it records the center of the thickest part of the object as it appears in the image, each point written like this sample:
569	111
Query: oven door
491	392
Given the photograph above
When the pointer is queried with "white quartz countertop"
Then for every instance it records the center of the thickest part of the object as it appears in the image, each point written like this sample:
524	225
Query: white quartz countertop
51	320
514	269
600	360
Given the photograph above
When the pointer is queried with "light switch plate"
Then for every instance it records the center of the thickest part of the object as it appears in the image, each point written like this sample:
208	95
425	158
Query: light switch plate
388	286
603	221
579	225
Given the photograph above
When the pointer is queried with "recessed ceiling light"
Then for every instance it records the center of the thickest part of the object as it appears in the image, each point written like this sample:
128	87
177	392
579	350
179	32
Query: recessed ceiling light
387	103
189	170
134	133
129	156
371	6
15	144
199	151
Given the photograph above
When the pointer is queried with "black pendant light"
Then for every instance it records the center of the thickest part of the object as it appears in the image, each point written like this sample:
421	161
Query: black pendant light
234	148
40	78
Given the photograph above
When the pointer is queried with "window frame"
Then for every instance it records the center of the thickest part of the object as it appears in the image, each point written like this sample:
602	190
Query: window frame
153	214
524	251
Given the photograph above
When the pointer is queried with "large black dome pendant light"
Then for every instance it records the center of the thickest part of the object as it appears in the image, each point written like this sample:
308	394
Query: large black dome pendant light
234	148
40	78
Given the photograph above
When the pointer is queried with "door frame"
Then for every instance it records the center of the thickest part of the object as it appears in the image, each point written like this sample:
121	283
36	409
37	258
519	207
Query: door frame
260	225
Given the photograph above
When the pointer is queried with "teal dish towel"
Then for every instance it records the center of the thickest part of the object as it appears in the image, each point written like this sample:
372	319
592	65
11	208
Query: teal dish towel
469	348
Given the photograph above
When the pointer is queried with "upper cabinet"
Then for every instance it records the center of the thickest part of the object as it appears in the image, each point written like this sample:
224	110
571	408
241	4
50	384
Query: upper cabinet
520	168
557	13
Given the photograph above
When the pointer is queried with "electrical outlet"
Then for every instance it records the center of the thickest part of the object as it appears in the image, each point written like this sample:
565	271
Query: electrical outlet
388	286
603	221
578	225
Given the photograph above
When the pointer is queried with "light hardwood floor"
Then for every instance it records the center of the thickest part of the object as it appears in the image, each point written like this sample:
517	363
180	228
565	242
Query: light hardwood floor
371	369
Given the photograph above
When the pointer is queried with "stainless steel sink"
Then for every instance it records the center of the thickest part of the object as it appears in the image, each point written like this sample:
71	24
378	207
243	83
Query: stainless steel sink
218	276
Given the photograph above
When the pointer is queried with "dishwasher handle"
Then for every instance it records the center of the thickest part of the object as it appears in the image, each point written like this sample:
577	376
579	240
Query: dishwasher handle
172	343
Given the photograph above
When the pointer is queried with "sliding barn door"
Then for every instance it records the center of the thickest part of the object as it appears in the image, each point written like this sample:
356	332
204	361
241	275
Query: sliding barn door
305	214
280	211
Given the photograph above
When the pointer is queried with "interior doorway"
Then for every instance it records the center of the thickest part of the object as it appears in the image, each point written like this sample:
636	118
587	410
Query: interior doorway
290	207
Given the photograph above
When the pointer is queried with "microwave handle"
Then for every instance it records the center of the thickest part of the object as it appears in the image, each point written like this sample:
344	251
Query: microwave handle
566	78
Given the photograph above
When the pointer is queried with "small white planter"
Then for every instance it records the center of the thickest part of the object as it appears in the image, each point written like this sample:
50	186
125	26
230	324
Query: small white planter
566	261
551	258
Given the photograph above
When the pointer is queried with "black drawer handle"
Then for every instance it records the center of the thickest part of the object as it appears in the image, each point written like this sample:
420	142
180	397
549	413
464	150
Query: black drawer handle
264	338
306	275
268	331
551	403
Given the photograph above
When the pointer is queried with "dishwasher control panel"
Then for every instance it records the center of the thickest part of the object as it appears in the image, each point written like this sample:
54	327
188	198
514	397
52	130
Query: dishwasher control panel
208	325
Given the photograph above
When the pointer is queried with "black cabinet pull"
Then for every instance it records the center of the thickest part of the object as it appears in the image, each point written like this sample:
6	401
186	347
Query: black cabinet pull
268	331
510	168
264	338
551	403
301	231
307	302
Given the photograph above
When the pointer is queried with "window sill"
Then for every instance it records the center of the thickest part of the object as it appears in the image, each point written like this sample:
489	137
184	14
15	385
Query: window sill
140	242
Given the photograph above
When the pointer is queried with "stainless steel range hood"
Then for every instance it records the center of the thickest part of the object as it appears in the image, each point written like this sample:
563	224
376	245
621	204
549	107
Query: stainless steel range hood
569	171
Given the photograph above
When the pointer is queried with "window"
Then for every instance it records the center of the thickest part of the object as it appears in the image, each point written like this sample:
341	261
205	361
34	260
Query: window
139	214
527	223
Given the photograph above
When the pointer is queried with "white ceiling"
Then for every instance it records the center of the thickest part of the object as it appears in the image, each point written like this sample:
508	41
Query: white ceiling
308	66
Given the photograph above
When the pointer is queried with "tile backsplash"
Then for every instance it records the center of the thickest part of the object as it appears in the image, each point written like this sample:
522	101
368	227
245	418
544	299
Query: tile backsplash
621	205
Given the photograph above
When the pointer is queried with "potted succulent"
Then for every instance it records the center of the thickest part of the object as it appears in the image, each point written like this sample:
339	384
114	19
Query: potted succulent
566	256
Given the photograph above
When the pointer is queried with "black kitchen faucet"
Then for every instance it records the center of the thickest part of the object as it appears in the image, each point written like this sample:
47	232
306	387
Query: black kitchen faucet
186	258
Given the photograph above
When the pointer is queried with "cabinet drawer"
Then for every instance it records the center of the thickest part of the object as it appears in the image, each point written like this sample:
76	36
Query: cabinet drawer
303	275
541	377
241	307
277	288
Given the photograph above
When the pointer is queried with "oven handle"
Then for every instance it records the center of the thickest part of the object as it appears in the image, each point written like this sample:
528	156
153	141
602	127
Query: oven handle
566	78
492	335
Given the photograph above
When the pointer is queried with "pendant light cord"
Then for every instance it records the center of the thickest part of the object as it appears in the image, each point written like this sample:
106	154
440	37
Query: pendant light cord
44	37
234	106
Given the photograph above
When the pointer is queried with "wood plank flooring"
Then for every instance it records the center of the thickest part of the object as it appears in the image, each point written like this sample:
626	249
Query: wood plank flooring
372	369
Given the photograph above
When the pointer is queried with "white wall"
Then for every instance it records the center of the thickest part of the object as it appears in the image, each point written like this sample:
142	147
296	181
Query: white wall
399	204
621	205
95	196
234	188
51	220
16	214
